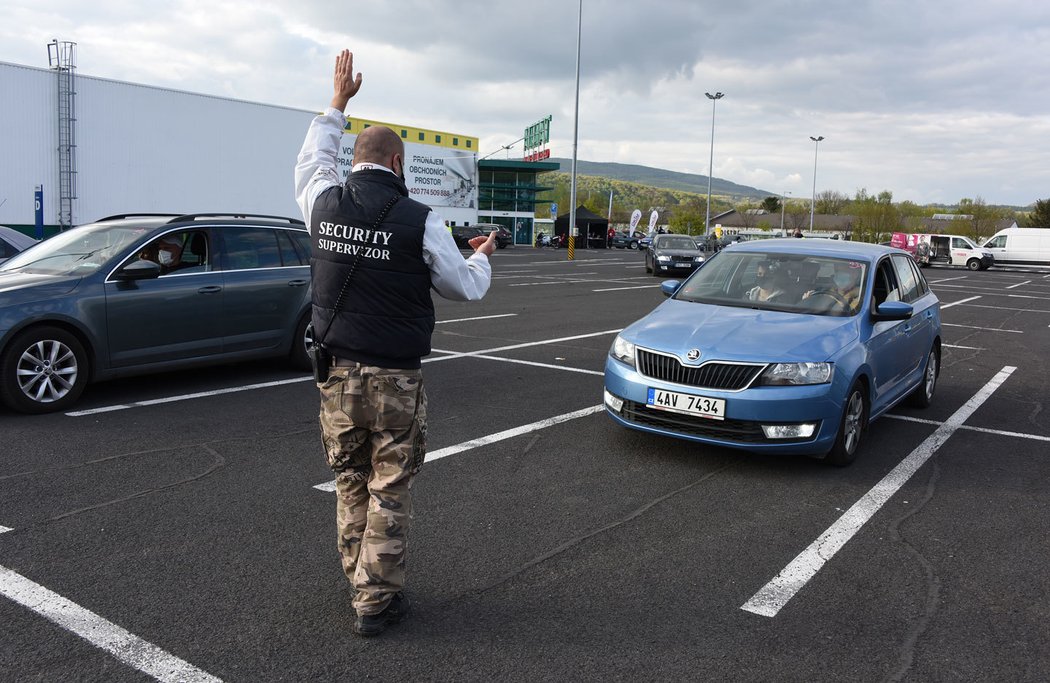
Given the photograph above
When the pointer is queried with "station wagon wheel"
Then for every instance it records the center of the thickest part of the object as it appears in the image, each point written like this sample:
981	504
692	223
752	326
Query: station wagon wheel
43	369
851	428
301	340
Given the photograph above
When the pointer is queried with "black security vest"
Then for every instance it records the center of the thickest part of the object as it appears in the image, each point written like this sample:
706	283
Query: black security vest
387	316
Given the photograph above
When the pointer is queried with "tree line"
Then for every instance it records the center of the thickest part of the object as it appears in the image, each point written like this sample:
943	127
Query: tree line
874	216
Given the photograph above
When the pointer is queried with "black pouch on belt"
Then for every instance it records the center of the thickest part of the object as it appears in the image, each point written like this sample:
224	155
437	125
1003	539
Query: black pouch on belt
320	359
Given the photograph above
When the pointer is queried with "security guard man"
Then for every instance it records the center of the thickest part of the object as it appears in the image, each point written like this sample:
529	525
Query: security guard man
376	256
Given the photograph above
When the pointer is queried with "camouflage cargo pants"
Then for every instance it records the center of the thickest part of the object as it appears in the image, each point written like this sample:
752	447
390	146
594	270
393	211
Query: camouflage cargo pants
373	427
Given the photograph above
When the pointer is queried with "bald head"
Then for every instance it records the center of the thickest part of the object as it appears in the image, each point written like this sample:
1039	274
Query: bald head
379	145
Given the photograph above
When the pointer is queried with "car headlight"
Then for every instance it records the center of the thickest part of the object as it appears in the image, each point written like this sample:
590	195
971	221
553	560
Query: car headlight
622	350
663	258
780	374
698	259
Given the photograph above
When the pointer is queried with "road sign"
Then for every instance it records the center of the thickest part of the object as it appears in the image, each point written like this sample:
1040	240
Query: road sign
554	210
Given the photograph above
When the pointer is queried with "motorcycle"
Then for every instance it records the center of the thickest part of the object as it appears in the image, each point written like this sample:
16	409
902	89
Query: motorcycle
545	240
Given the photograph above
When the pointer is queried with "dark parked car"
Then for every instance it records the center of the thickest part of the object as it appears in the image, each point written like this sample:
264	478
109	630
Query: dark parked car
462	234
627	240
503	236
13	242
136	294
672	253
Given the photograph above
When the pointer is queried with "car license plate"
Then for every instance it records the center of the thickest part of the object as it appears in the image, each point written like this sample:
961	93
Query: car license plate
699	406
687	264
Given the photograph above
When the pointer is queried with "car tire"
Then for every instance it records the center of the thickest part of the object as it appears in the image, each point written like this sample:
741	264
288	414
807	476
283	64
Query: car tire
851	428
973	264
647	268
298	356
31	364
922	397
634	245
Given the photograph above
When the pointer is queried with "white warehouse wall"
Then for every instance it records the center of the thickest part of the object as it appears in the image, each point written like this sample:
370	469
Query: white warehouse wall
146	149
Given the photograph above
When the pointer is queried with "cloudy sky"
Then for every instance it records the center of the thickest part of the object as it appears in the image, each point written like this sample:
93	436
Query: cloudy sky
934	100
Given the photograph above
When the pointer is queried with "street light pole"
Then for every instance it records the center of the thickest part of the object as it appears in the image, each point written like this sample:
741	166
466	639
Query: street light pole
575	139
710	163
813	201
782	202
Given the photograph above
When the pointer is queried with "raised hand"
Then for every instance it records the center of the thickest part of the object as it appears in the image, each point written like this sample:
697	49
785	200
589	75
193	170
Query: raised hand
346	84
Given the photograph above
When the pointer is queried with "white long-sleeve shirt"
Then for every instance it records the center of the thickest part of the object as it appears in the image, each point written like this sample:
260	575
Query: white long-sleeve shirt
451	275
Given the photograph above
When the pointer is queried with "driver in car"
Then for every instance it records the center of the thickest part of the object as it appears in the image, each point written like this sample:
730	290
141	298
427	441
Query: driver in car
845	285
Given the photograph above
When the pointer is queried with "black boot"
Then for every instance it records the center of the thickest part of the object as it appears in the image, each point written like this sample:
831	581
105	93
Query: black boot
369	625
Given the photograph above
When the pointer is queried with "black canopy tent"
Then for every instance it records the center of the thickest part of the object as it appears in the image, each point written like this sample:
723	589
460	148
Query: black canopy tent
594	229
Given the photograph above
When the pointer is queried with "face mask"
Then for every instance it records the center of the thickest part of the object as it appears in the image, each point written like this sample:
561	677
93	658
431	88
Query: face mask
164	257
401	171
843	279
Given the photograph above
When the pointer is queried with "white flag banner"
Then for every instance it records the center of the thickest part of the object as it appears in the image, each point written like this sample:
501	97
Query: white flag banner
652	220
636	216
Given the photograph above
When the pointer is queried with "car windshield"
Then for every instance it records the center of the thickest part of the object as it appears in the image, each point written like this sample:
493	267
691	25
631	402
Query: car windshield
675	242
816	285
80	251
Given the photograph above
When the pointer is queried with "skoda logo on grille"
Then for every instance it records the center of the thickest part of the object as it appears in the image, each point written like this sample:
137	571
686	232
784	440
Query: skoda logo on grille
694	354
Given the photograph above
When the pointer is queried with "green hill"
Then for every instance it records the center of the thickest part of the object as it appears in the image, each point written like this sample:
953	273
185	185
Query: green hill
658	177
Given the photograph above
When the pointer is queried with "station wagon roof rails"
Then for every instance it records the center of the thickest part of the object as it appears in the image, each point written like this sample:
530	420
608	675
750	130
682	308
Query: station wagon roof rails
200	216
122	216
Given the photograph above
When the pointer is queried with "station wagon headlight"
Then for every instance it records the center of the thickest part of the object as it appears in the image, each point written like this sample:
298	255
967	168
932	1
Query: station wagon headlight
781	374
698	259
663	258
622	350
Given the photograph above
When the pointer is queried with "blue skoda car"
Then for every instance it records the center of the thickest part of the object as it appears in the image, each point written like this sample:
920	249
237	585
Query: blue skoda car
786	346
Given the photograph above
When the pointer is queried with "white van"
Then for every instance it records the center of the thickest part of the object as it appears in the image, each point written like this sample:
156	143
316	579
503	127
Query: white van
954	250
1020	246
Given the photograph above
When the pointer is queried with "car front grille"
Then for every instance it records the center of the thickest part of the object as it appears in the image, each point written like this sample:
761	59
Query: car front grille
737	431
721	376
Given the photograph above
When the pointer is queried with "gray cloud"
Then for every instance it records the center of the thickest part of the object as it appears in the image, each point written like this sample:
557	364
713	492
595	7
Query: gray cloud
935	100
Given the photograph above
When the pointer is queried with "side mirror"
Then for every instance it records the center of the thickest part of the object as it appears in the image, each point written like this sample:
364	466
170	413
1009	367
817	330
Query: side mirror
669	287
138	270
892	310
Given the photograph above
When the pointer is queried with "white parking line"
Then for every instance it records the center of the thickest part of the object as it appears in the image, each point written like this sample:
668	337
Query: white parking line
102	633
1006	308
772	597
5	529
961	301
457	354
968	348
974	327
541	365
947	279
329	486
619	289
1019	284
187	397
982	430
480	317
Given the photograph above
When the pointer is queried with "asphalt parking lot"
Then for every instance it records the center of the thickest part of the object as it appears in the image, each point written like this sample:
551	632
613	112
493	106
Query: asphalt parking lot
179	527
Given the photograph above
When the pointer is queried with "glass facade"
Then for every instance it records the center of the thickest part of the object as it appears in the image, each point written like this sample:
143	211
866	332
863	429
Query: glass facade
510	191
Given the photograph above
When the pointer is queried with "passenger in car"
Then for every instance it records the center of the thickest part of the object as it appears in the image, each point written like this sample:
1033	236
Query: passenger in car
766	284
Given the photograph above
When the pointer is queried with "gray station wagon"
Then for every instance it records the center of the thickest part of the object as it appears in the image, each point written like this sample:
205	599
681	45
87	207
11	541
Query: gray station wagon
136	294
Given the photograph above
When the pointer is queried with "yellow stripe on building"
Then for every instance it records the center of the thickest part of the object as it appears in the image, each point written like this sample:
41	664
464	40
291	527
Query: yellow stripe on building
420	136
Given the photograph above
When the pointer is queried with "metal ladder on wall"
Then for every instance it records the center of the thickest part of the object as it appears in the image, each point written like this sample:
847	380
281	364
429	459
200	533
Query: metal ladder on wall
62	58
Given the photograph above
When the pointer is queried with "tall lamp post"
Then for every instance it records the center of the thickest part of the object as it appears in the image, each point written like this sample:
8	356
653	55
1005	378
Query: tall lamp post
782	203
575	139
813	201
710	163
